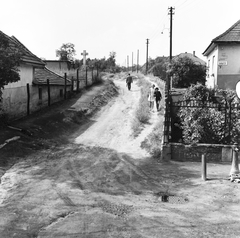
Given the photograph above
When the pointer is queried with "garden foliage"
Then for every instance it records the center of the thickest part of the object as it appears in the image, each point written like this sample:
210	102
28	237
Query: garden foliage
202	124
186	72
10	57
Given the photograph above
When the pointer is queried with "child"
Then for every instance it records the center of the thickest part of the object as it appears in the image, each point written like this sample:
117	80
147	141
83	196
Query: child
158	97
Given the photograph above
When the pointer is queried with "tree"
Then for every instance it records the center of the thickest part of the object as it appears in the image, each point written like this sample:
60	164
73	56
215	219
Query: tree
10	57
186	72
111	61
160	67
66	52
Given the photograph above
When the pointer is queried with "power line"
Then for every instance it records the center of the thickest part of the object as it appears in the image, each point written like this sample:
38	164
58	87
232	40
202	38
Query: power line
184	6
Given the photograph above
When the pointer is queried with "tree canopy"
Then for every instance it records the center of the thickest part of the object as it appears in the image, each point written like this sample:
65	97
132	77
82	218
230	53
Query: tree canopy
66	52
9	62
186	72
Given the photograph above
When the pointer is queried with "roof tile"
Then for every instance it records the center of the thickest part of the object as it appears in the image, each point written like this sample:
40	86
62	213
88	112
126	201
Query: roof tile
41	76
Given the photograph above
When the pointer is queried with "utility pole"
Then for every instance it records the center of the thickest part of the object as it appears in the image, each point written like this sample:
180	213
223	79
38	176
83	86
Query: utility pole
132	61
147	57
127	63
171	13
137	59
167	87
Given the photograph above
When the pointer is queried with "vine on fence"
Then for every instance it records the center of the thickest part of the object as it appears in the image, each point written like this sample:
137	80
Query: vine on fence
205	123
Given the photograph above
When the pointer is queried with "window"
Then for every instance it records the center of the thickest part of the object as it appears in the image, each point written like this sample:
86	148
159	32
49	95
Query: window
40	93
213	63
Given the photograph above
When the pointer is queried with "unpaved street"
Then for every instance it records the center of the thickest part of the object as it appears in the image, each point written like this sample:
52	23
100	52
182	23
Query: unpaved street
101	183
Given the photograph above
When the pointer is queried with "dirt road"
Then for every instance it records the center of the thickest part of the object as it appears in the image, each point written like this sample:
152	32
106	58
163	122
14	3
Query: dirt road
101	183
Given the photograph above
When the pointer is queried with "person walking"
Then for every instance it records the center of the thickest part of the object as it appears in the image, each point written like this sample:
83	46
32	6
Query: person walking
129	81
158	97
151	97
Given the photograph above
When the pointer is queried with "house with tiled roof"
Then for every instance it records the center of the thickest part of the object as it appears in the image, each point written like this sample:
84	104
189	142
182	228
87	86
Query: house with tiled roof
191	56
223	59
30	93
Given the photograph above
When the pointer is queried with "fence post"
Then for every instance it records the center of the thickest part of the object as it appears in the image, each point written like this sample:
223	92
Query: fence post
86	77
49	96
65	86
230	121
72	82
77	80
97	72
92	74
28	99
204	167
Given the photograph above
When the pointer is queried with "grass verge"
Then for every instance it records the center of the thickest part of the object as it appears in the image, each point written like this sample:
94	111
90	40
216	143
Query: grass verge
142	113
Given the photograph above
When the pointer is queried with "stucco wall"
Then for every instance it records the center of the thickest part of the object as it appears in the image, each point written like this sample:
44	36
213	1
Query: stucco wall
228	81
59	67
181	152
212	61
228	66
14	101
26	75
229	59
225	71
15	105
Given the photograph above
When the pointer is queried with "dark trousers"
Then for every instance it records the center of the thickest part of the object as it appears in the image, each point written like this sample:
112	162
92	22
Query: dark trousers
158	104
129	86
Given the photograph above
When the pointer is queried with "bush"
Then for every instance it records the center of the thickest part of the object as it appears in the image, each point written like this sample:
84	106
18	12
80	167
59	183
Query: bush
207	125
153	142
142	113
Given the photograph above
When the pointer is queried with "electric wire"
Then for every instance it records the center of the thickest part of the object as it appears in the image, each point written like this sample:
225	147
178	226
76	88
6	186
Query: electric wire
160	26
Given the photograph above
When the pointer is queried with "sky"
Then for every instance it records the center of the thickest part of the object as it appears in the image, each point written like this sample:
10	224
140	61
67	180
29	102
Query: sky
121	26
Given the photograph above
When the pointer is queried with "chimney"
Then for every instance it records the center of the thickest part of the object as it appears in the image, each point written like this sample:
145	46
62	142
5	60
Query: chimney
194	53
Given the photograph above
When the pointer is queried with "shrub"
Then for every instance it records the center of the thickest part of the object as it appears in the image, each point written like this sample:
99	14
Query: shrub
208	125
153	142
142	113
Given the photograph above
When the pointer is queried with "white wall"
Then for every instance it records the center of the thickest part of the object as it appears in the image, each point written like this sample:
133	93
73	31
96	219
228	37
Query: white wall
26	75
229	55
212	64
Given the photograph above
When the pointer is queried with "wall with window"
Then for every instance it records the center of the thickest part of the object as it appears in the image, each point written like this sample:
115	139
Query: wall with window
212	70
228	65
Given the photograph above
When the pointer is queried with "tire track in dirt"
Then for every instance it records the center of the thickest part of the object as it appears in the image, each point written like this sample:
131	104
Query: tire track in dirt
65	198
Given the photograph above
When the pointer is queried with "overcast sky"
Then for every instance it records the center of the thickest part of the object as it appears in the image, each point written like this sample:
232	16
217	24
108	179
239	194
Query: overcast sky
122	26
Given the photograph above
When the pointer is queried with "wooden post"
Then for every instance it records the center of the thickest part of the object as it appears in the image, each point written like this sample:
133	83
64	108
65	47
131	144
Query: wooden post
28	99
72	81
204	167
65	86
86	77
49	94
235	167
92	74
77	80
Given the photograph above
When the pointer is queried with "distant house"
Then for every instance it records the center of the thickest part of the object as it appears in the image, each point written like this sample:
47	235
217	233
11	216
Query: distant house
39	96
191	56
223	59
17	100
59	66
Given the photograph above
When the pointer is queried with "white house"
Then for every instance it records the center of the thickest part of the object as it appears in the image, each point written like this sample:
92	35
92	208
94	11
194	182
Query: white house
30	93
223	59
